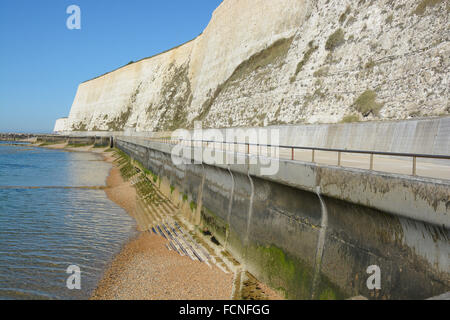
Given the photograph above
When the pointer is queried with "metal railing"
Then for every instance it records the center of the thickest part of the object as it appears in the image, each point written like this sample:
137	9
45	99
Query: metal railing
413	156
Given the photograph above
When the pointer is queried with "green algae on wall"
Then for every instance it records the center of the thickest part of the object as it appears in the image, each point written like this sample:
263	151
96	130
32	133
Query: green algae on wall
214	223
289	275
281	272
148	172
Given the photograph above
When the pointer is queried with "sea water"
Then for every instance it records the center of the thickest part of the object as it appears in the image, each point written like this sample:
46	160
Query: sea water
52	216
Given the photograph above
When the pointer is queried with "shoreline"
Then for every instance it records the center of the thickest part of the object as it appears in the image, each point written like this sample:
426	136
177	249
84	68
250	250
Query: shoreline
144	268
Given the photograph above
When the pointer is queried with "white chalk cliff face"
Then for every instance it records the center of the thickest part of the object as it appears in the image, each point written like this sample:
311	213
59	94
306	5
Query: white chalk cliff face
262	62
60	125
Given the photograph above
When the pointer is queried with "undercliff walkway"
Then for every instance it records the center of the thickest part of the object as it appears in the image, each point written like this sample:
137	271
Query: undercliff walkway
425	165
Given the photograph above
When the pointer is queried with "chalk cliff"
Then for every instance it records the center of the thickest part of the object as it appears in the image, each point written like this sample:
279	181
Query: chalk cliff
60	125
262	62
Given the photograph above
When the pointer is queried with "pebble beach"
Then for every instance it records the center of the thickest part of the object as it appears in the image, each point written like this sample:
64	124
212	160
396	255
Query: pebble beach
146	270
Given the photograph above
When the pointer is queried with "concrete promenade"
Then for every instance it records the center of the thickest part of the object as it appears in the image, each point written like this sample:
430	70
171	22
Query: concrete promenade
313	229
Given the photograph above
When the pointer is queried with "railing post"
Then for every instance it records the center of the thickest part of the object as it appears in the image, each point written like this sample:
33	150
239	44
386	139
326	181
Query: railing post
371	161
339	158
414	168
313	155
292	156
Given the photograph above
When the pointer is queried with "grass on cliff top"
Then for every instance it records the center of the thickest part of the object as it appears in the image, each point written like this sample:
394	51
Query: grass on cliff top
81	145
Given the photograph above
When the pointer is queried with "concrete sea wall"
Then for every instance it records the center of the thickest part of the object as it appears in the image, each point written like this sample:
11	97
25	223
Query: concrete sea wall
422	136
102	141
307	232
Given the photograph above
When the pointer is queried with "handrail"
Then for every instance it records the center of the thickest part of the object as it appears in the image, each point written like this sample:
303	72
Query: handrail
414	156
382	153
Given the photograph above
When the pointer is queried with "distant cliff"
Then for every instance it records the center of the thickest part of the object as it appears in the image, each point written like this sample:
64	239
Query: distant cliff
60	125
262	62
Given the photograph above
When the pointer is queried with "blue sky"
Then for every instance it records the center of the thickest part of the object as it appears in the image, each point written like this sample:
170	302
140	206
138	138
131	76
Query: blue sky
42	62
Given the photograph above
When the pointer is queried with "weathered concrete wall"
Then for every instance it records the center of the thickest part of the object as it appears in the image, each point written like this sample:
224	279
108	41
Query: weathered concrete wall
283	62
308	233
424	136
97	141
15	136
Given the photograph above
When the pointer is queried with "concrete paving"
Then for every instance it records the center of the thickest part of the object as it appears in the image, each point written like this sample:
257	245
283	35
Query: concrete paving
425	168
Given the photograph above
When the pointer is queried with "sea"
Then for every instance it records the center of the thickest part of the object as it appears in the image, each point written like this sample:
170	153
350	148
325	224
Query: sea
58	229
